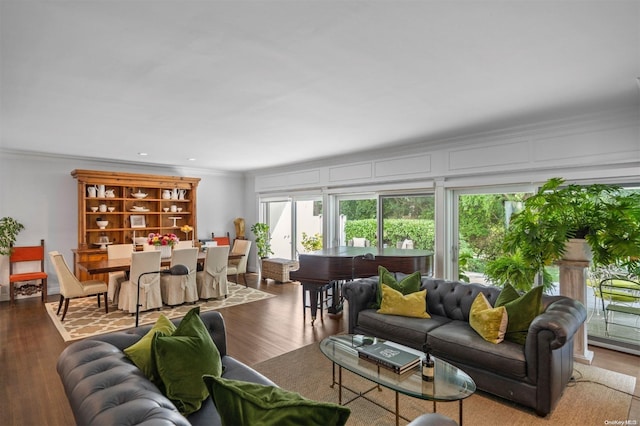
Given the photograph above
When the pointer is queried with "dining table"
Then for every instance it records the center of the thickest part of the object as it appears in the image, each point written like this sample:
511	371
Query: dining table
115	265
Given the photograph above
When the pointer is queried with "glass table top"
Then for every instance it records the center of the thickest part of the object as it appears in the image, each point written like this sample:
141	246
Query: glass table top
449	384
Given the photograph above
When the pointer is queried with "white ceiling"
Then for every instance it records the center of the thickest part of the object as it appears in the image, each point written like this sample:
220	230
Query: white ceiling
243	85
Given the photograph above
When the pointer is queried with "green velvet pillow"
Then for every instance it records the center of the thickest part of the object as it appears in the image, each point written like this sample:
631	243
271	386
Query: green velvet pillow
508	294
488	322
245	403
183	358
410	284
395	303
521	312
140	352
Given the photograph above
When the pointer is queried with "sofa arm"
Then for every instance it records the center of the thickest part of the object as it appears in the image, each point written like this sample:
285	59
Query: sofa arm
562	318
360	294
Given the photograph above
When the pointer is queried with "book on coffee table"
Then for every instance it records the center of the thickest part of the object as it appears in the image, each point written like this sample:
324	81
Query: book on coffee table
389	356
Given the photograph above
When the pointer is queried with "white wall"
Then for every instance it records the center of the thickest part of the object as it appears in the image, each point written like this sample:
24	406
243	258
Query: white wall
40	193
593	146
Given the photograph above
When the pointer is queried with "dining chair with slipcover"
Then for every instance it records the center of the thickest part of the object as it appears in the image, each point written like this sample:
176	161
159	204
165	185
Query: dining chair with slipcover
178	289
117	251
212	280
150	296
183	244
239	266
71	287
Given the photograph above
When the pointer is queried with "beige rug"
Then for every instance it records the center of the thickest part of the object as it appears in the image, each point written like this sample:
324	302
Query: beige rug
308	372
85	319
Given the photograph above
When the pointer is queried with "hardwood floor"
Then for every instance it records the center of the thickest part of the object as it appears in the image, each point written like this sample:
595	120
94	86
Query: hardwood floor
31	392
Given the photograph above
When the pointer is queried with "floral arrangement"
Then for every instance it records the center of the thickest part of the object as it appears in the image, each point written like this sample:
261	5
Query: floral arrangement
162	240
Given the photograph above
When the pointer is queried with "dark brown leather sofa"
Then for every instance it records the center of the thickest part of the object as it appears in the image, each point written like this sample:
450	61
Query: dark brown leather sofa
533	375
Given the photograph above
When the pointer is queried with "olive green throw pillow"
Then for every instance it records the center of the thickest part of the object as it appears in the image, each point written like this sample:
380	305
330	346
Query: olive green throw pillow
245	403
183	358
395	303
410	284
507	294
488	322
140	352
521	311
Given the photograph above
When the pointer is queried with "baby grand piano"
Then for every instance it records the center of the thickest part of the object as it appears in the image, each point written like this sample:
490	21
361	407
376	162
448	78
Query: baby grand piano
329	266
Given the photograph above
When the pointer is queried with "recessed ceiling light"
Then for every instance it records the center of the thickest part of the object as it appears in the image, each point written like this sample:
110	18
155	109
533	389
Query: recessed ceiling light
142	154
191	159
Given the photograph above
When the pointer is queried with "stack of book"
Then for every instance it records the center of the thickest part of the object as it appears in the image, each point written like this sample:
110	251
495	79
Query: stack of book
389	356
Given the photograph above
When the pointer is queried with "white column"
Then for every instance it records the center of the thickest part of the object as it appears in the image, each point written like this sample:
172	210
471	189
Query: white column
573	284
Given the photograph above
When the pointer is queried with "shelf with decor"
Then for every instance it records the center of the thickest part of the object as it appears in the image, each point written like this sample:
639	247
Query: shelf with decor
133	205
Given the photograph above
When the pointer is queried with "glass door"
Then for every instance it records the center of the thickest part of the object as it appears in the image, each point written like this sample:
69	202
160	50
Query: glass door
295	225
480	223
408	221
357	220
278	217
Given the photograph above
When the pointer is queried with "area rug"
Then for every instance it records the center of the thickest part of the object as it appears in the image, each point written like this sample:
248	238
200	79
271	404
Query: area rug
596	397
85	319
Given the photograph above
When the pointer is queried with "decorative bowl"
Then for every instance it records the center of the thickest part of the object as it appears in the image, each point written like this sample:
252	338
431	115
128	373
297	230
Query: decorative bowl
166	209
102	223
179	209
94	209
138	195
111	209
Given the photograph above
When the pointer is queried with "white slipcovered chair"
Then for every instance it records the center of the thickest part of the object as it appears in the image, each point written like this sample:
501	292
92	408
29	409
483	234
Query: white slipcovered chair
239	266
178	289
183	244
212	280
71	287
117	251
150	296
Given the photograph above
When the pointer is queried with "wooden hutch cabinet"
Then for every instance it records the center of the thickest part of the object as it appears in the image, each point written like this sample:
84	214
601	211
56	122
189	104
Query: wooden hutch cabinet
169	203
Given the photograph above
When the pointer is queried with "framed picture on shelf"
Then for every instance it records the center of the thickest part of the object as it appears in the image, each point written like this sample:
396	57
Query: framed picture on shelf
137	221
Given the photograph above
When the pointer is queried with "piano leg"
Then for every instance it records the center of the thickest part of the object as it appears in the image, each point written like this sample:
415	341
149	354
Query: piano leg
312	290
336	296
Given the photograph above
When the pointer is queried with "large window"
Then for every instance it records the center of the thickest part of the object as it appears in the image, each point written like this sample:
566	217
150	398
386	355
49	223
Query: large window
295	225
408	221
482	221
357	220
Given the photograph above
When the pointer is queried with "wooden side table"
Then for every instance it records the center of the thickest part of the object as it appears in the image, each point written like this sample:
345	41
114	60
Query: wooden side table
278	269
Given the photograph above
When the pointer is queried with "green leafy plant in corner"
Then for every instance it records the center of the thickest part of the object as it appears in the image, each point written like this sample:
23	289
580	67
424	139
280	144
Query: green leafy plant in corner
263	239
9	230
606	216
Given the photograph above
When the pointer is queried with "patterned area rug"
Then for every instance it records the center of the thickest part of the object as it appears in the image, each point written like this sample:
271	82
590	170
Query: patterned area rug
596	397
85	319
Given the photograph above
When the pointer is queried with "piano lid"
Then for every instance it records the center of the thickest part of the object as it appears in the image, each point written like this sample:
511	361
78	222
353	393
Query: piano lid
342	263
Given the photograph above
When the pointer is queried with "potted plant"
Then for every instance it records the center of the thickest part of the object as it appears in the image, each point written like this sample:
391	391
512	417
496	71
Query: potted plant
311	242
9	230
607	217
263	240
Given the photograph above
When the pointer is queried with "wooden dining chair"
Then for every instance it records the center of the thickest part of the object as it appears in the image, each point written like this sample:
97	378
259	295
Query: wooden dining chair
212	280
178	289
27	256
71	287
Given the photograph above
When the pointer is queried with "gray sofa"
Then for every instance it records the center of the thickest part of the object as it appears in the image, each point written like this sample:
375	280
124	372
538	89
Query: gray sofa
533	375
105	388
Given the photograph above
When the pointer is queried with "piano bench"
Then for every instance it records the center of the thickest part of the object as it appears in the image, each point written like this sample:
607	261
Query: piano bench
278	269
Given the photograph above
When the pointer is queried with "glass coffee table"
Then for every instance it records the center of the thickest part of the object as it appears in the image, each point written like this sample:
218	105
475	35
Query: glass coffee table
449	384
